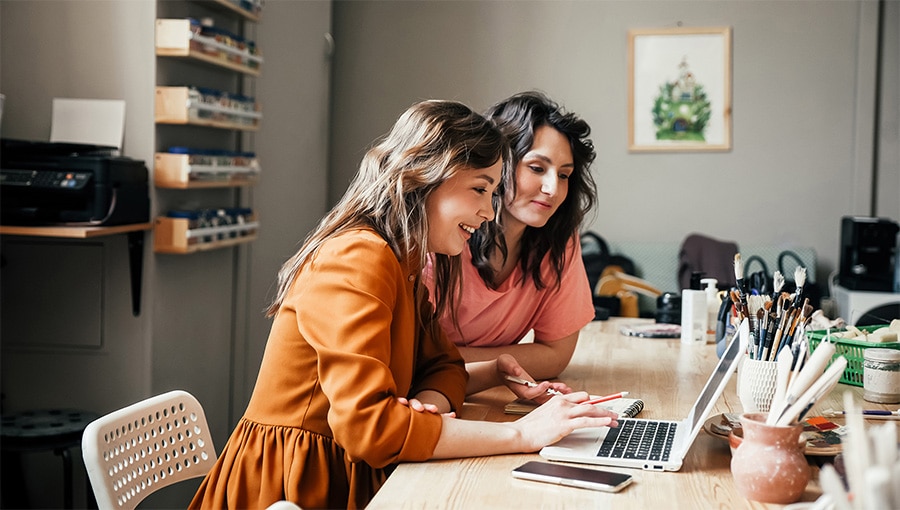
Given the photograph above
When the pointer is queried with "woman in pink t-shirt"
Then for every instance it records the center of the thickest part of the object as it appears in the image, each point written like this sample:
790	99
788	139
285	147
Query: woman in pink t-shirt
523	272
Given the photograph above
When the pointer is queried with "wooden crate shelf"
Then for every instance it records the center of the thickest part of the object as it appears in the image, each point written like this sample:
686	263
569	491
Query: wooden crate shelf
174	235
174	105
174	38
175	171
229	6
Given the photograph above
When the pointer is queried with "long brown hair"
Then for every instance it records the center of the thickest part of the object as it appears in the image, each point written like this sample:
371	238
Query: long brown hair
429	143
518	117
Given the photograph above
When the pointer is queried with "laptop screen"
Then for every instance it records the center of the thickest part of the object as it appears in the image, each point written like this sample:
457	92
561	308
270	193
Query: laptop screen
710	391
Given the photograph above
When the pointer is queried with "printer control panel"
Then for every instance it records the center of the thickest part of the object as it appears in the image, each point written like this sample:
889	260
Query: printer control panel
45	179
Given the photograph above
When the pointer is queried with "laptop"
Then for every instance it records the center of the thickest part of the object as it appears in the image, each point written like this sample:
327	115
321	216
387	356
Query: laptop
629	446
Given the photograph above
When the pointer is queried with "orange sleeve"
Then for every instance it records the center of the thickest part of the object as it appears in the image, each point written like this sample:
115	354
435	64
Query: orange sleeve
355	306
439	366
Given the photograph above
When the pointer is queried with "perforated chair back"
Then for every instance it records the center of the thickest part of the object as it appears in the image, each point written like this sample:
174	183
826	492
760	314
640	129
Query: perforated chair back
135	451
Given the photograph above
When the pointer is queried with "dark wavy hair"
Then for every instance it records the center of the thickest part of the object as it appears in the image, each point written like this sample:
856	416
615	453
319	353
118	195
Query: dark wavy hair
518	117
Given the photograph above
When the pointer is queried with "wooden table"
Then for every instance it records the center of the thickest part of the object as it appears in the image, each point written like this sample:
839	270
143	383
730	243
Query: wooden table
665	374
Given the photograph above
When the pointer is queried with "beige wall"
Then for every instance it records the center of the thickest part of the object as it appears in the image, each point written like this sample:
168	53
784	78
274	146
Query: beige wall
803	94
201	326
803	136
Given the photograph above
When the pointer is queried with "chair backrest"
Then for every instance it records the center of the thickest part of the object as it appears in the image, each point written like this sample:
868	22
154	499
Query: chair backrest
284	505
137	450
712	257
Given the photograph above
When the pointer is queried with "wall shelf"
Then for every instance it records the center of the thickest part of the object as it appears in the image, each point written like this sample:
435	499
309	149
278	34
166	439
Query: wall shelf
176	105
175	236
176	171
135	234
76	232
190	168
233	7
174	38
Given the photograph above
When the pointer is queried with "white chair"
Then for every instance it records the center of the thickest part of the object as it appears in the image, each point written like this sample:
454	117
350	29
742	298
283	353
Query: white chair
137	450
284	505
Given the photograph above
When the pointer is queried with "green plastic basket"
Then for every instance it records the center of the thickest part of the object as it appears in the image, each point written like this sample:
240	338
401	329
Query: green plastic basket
853	350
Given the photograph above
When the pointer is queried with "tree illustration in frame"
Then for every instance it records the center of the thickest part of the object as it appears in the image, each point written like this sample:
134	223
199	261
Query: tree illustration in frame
679	89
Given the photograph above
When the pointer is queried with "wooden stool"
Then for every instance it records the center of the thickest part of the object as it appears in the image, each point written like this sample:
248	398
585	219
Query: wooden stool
34	431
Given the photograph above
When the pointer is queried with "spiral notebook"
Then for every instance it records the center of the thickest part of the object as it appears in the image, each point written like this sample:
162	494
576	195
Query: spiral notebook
625	407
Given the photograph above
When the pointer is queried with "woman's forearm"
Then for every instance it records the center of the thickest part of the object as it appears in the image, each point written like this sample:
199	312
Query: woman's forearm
482	375
470	438
547	424
541	360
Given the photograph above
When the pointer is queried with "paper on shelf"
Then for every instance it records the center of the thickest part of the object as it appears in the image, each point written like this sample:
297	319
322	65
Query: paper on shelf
88	121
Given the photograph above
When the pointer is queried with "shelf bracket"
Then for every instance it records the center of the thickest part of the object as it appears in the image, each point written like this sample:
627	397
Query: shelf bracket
136	266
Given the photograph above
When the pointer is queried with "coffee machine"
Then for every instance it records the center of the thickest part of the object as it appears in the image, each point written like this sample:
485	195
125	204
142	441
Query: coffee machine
868	251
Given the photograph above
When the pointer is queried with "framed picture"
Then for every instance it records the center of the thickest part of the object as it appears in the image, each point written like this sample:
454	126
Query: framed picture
679	89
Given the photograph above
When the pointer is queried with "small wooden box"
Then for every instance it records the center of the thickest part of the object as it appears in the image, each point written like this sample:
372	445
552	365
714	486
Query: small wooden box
173	39
174	171
174	235
173	106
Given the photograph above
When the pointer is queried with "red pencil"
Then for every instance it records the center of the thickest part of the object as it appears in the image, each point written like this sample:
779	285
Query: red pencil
614	396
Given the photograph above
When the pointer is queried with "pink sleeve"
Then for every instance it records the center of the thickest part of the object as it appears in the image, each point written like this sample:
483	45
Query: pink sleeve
569	307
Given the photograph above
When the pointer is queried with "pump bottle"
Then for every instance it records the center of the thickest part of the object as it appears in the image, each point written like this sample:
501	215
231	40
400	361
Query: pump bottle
713	302
693	316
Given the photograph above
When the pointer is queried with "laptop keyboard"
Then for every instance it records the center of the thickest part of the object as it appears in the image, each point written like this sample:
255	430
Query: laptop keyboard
639	439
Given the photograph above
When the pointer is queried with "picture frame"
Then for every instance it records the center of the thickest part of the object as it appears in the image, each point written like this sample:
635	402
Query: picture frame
679	89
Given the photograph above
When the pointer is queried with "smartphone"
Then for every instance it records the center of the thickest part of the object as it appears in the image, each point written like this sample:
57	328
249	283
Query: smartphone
572	476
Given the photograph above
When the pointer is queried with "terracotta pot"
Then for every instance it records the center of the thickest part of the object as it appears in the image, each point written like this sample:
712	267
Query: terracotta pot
768	465
736	436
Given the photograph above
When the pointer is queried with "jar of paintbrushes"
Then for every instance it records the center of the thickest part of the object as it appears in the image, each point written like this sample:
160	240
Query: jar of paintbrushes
778	321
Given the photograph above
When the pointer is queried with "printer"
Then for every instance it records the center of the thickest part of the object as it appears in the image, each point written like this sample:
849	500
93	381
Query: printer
47	183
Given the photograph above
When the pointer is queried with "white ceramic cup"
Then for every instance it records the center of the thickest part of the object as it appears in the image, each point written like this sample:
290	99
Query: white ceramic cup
756	385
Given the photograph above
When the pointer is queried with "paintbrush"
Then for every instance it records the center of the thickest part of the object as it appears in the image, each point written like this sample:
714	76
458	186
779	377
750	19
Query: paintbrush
801	380
797	326
777	284
832	376
799	354
784	361
761	322
771	326
805	311
790	328
800	280
822	383
739	278
874	414
777	328
772	351
756	302
741	307
765	326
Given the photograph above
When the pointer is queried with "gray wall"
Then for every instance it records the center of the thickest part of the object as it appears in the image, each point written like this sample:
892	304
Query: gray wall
201	326
803	99
69	61
887	180
292	196
803	85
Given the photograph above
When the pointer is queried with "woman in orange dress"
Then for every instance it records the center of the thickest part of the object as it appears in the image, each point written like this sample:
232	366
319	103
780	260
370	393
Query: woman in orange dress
357	374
